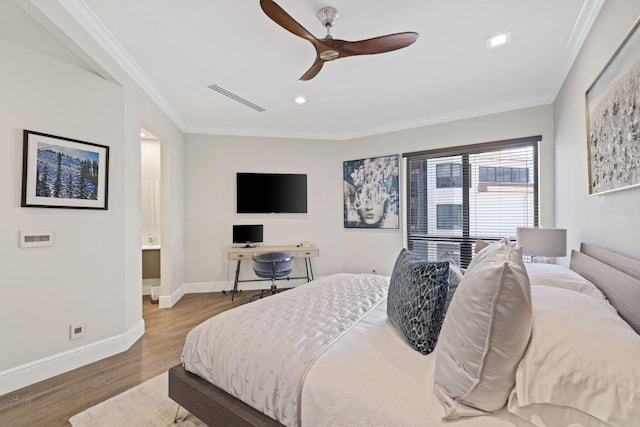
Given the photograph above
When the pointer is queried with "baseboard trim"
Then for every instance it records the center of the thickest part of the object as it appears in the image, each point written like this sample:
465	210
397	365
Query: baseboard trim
250	285
48	367
169	301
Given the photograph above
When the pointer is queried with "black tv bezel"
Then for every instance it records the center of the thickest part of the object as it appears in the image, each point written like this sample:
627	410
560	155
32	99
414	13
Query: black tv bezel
246	242
269	207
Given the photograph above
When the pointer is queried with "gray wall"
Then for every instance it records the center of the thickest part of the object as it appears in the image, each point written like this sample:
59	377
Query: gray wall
608	220
210	192
210	203
79	278
367	249
93	272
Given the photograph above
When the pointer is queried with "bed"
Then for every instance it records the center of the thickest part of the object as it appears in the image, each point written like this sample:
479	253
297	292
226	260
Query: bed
365	372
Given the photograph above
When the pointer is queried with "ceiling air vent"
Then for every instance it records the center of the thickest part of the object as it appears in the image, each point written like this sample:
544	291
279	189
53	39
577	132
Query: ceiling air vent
236	98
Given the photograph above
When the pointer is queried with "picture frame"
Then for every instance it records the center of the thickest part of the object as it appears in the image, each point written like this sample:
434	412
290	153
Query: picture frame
613	132
59	172
371	192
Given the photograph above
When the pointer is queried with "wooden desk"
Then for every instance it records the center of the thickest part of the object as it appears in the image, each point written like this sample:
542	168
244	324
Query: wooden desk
239	254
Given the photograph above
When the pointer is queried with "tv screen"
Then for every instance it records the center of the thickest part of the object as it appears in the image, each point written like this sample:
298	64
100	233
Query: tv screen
271	193
247	234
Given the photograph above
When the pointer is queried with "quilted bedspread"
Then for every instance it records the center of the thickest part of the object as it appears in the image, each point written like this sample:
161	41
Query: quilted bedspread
261	352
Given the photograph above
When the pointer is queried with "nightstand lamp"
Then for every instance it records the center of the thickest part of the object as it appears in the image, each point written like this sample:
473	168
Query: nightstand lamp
542	243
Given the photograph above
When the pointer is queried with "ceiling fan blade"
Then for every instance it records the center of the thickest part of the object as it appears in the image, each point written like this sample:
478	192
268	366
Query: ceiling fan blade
282	18
375	45
313	71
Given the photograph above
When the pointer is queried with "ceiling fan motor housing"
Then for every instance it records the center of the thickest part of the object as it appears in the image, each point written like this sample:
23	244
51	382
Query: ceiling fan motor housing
328	16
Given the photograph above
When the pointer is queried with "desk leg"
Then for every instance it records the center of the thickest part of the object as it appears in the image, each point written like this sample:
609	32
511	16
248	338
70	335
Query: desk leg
235	282
309	267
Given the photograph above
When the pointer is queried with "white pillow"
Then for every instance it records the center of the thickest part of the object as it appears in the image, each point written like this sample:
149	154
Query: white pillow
561	277
484	334
582	366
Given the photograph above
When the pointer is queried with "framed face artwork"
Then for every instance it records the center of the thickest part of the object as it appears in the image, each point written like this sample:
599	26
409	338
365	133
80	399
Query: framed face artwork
370	191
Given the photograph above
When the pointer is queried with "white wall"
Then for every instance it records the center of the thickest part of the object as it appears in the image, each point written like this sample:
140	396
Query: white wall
607	220
210	191
93	273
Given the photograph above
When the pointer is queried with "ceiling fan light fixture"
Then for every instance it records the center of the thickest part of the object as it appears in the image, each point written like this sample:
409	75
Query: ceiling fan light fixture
300	100
498	40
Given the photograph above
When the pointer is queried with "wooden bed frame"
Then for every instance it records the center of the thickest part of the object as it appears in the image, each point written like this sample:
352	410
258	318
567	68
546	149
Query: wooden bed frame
213	406
617	276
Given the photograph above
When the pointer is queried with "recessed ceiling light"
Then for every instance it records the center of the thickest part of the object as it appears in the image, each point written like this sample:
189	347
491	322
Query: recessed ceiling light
300	100
498	40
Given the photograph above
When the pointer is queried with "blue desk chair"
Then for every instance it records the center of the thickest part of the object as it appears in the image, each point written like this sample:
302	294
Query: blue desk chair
272	265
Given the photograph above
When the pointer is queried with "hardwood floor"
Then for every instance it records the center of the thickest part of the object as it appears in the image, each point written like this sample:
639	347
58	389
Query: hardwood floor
52	402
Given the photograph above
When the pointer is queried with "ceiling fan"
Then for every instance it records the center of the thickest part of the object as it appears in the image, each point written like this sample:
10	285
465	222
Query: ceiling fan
328	48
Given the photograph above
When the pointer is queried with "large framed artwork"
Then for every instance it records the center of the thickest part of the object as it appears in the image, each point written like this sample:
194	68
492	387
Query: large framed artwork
60	172
613	120
370	188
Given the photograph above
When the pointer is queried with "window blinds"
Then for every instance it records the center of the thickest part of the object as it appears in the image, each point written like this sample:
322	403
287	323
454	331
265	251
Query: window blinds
459	195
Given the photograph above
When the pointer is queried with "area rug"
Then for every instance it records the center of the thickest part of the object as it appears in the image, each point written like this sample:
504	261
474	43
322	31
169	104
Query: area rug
147	404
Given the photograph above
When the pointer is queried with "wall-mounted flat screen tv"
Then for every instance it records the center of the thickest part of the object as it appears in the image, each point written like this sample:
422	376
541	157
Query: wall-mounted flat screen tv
247	235
271	193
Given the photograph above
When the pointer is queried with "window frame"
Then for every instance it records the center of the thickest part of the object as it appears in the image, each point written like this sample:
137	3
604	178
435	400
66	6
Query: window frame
466	240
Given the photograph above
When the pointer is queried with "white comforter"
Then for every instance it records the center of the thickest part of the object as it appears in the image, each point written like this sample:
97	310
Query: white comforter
372	378
261	352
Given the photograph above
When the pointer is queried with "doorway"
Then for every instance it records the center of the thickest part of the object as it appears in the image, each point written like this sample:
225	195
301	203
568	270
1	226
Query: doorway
151	238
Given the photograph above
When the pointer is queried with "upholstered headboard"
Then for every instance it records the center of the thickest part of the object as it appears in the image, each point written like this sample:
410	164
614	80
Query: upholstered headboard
617	276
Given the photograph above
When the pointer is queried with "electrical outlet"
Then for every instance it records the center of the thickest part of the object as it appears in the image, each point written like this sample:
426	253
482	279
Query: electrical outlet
76	330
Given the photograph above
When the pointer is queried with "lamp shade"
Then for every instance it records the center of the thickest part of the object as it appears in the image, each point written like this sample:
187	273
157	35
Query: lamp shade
546	242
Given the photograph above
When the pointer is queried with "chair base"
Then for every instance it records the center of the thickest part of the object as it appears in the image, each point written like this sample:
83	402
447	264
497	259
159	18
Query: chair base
265	292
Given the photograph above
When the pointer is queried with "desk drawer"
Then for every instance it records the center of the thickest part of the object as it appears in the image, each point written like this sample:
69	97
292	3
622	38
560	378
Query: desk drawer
300	253
239	254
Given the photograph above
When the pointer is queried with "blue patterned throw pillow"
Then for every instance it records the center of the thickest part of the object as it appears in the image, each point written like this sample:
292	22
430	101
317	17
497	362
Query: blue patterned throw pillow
455	277
416	300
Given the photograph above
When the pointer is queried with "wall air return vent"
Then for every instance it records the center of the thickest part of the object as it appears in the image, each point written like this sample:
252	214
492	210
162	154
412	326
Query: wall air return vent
236	98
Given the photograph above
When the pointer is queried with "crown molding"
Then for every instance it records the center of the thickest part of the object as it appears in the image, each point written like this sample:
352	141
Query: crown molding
83	14
88	20
536	102
586	18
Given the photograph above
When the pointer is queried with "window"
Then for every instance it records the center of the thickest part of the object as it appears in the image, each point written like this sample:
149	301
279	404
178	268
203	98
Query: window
449	175
503	174
444	209
451	250
449	217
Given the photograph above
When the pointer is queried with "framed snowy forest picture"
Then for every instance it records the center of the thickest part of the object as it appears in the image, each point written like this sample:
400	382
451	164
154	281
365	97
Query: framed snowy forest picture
60	172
